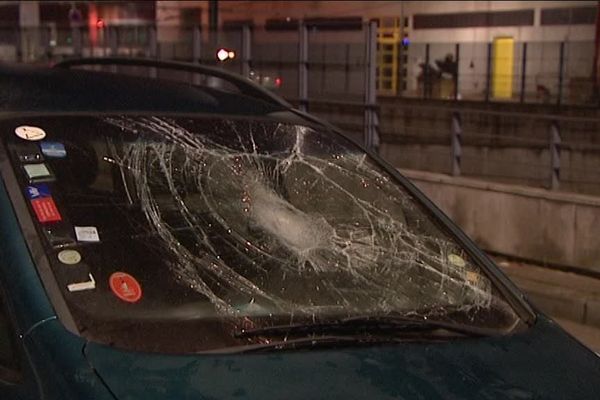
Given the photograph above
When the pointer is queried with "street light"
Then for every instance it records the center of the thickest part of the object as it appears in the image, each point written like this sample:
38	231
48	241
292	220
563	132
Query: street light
225	54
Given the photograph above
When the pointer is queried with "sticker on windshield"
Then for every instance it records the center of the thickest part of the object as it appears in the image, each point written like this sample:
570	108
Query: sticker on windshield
87	234
79	286
53	149
36	171
30	132
69	257
45	209
38	191
125	287
457	260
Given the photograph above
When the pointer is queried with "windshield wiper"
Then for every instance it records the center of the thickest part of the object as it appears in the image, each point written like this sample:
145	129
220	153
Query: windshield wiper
371	325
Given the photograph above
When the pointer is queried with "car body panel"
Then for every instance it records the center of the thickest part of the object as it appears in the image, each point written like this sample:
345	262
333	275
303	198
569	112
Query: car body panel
519	366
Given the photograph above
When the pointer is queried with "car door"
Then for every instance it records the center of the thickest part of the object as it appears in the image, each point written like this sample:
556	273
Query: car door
11	378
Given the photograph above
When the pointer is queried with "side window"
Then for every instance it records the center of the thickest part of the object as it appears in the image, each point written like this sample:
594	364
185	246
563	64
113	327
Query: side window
9	359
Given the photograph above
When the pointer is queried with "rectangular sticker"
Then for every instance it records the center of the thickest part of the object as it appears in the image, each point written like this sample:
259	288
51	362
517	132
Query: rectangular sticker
45	209
79	286
35	171
38	191
87	234
53	149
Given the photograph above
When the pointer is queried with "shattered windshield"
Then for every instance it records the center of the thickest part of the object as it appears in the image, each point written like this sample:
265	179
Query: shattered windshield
158	225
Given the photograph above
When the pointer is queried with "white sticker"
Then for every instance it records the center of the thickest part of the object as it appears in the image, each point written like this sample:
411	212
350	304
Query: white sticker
36	170
79	286
30	132
456	260
69	257
87	234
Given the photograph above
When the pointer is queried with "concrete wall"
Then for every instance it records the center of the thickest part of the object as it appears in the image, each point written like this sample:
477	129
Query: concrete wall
260	11
536	224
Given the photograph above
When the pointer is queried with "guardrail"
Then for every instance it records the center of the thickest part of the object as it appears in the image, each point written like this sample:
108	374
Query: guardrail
552	151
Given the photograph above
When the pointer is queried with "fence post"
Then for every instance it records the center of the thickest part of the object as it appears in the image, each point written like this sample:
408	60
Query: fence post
426	72
113	43
371	138
113	40
456	143
196	44
303	66
246	50
554	155
560	72
76	40
196	51
523	71
457	60
152	49
488	72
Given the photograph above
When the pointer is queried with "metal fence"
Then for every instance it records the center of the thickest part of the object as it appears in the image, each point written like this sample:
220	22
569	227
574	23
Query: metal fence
334	61
334	74
536	72
541	150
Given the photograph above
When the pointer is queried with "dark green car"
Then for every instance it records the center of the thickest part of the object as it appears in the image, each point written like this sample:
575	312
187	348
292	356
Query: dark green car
160	240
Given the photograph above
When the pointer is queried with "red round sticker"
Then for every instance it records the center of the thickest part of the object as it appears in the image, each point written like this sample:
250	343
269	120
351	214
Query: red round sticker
125	287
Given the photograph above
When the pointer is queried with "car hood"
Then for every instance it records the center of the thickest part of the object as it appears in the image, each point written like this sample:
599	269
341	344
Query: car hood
540	363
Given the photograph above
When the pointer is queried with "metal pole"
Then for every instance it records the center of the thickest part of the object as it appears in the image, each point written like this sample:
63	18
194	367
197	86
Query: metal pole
426	72
488	72
196	44
457	57
153	49
196	51
560	72
303	66
523	71
456	143
370	119
113	44
76	38
246	50
554	155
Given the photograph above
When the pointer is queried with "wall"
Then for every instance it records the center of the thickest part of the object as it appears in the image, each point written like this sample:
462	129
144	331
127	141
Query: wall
506	218
260	11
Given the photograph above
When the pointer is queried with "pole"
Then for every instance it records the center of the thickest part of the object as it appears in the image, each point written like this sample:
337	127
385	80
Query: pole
153	50
488	72
303	66
457	59
523	71
213	21
246	50
595	75
456	143
554	155
426	72
370	118
560	72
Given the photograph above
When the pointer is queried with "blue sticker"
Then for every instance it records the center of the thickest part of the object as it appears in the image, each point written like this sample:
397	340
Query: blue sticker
53	149
38	191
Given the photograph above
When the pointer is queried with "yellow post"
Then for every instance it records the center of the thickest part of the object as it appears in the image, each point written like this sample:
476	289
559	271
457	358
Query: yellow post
503	62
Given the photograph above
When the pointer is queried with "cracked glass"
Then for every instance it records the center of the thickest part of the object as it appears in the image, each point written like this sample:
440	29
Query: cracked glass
226	224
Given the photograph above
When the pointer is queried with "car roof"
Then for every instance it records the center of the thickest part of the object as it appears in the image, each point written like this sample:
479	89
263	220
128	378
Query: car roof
39	89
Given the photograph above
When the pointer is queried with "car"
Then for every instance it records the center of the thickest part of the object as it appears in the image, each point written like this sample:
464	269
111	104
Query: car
165	240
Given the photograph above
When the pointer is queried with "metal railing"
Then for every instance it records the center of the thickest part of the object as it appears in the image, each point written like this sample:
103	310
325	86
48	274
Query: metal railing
548	151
